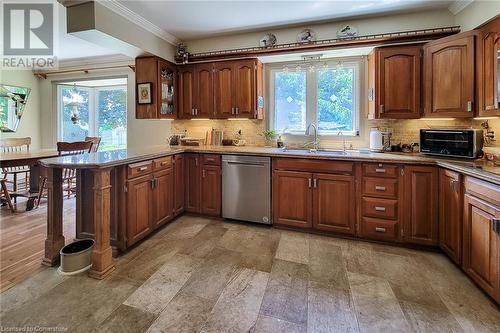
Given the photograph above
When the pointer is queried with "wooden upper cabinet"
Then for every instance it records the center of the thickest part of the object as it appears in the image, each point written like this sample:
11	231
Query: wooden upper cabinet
223	89
395	82
244	96
420	205
450	214
488	68
186	91
481	249
334	203
292	198
449	67
163	78
204	91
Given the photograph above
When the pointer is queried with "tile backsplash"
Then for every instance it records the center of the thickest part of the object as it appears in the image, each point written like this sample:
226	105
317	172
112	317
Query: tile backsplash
404	131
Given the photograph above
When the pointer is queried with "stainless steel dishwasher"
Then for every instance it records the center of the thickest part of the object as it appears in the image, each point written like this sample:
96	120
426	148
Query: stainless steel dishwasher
246	188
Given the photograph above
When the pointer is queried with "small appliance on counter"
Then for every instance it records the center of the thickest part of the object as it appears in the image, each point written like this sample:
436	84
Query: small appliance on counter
465	143
379	141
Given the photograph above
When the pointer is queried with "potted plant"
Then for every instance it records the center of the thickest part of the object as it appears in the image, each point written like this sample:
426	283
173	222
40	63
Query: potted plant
269	136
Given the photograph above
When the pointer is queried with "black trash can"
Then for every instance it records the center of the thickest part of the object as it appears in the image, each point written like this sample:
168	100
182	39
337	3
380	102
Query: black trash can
76	257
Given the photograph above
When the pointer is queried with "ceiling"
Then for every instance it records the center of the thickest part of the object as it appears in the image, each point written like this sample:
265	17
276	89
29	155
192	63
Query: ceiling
187	20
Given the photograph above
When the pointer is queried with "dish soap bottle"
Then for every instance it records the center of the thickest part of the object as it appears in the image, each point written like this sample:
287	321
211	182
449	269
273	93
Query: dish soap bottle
280	142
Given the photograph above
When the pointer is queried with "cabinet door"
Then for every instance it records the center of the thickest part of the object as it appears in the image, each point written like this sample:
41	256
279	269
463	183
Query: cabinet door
449	76
192	181
398	88
167	90
223	90
481	250
139	208
164	196
146	70
292	198
244	88
334	202
211	190
420	205
186	92
489	73
450	214
204	102
179	176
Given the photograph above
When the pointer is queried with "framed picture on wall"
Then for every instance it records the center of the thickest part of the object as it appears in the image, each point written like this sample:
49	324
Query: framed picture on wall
144	93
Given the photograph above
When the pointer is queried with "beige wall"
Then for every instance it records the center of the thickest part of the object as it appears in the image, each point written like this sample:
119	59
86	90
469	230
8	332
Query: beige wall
30	121
477	13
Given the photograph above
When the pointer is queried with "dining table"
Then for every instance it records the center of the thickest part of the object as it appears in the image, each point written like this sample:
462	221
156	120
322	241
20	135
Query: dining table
28	158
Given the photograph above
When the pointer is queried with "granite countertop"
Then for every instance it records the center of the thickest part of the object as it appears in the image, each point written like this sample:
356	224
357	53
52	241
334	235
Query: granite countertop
479	168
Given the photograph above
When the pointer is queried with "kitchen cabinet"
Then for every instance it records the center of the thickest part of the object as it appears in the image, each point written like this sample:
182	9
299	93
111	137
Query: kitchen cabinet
481	241
140	209
163	188
163	78
192	183
449	72
394	76
237	89
179	175
334	203
450	214
420	205
211	190
488	70
292	198
196	91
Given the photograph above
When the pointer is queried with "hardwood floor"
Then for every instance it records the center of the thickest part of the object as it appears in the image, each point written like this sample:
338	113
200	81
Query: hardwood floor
22	238
203	275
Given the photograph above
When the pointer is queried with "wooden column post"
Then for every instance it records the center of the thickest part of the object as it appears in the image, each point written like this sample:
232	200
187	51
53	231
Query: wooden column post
102	255
55	239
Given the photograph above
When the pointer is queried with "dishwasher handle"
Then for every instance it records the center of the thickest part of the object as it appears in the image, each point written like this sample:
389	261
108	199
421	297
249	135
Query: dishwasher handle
260	165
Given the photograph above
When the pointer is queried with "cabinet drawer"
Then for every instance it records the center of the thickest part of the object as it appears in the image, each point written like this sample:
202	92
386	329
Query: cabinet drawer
381	208
210	159
163	163
139	169
380	170
310	165
380	187
379	229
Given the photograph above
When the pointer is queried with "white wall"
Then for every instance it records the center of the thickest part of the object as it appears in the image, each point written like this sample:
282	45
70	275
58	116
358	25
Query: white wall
365	26
30	122
140	133
477	13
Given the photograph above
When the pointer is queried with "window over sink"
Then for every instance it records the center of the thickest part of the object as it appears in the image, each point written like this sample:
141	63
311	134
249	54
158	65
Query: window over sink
324	93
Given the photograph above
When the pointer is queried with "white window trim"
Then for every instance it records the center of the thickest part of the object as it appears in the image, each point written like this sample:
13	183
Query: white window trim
311	91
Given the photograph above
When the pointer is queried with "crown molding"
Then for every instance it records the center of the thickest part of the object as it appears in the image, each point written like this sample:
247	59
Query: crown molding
459	5
115	59
132	16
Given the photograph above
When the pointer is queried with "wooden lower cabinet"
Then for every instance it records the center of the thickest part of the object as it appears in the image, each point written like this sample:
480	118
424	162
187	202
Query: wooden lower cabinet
450	214
163	190
140	208
179	175
420	205
334	203
481	248
211	190
192	183
292	198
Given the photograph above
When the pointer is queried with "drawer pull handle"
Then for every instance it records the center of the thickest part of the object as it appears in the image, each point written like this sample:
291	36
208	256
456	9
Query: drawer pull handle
144	168
378	229
380	170
380	188
164	163
379	209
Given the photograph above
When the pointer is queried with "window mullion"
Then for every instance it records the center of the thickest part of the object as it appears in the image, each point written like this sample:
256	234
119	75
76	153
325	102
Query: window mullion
311	98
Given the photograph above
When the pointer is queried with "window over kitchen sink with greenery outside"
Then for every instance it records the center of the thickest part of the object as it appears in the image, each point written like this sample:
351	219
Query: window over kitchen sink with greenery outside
324	93
94	108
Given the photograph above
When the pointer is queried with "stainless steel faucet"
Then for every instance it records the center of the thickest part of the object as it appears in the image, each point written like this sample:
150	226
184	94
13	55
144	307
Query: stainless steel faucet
315	143
343	141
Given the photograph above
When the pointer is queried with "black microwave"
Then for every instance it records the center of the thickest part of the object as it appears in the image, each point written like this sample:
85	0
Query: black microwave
465	143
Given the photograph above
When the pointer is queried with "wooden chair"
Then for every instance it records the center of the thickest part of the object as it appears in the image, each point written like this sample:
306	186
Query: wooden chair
96	141
16	145
6	195
68	175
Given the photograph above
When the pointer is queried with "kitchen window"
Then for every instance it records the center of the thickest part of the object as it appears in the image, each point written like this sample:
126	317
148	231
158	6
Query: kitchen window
87	109
326	94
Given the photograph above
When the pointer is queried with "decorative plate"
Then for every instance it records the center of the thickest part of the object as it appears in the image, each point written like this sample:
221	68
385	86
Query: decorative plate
268	40
347	32
306	36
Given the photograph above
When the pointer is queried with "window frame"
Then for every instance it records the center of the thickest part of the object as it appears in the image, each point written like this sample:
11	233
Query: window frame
312	92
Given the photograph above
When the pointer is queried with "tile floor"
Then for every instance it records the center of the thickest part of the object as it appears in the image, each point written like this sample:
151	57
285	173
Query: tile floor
202	275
